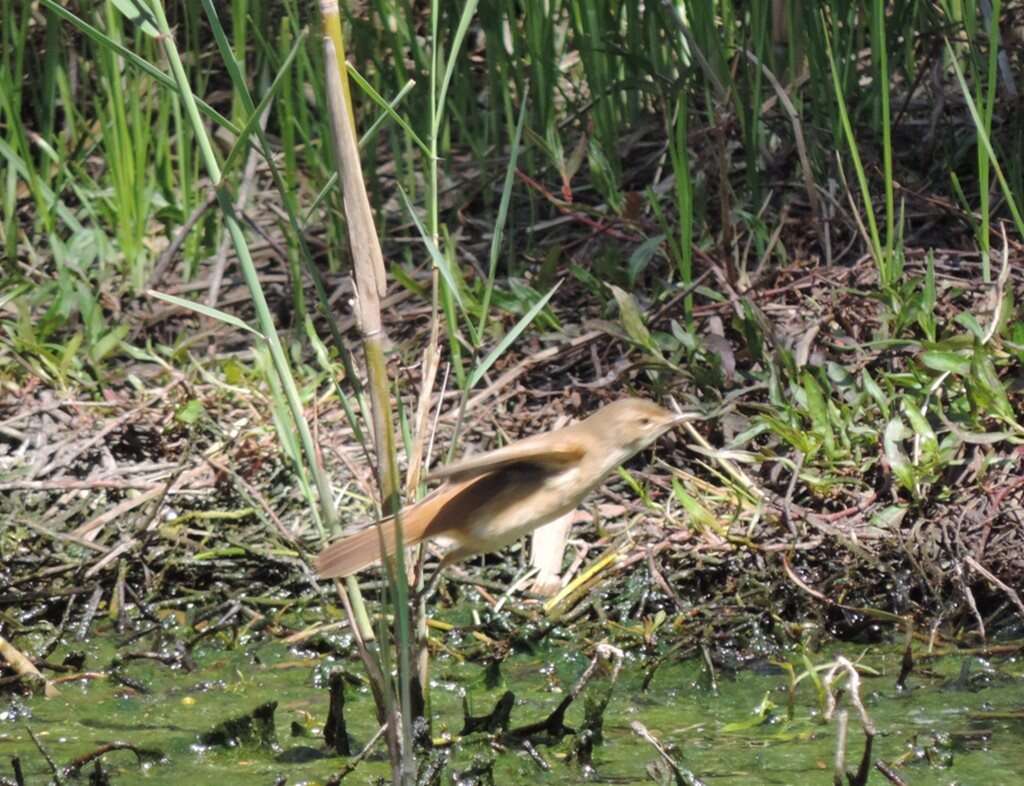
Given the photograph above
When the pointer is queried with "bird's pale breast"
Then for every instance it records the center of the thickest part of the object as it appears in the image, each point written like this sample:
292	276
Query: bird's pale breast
513	502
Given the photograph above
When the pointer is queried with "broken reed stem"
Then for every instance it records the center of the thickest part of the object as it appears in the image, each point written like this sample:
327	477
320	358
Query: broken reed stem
25	669
839	765
839	668
370	287
604	651
681	775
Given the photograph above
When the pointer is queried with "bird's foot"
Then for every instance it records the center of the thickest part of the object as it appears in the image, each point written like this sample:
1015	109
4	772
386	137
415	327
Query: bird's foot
546	584
428	589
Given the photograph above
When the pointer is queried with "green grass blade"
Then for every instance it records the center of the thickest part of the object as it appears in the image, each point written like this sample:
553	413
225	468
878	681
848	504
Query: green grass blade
877	251
139	14
460	34
242	142
206	311
984	139
389	108
509	338
439	259
499	226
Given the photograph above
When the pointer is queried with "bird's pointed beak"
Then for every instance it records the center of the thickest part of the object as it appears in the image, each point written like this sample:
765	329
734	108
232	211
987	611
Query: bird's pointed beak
685	417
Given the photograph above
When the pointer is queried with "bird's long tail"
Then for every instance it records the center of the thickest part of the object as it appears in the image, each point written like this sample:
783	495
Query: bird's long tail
361	549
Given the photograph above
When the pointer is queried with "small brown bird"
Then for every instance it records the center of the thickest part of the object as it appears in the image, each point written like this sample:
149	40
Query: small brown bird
491	500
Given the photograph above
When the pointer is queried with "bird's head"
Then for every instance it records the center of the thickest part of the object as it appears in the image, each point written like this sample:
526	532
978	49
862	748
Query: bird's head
631	424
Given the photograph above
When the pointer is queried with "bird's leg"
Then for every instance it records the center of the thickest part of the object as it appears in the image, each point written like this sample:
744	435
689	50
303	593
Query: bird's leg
430	587
547	549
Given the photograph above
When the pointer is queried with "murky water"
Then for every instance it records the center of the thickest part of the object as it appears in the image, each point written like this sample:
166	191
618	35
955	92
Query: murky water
934	732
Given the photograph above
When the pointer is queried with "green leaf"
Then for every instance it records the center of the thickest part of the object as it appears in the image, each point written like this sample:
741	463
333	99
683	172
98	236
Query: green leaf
968	320
875	392
952	362
460	33
807	442
817	406
889	518
367	137
234	372
67	356
895	433
404	279
323	356
632	320
926	317
206	311
632	482
110	341
190	412
499	224
641	257
753	334
988	390
762	715
983	138
700	516
920	425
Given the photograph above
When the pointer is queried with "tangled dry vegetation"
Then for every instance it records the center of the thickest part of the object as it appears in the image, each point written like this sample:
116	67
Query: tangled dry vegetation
171	486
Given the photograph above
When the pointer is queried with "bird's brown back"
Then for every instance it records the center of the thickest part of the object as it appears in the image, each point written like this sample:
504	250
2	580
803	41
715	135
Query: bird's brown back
463	509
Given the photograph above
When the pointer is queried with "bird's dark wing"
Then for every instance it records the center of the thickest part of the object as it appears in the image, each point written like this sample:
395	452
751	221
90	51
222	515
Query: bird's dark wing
540	450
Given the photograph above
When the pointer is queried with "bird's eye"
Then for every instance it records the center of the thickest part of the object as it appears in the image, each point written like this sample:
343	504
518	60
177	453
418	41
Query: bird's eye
645	421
